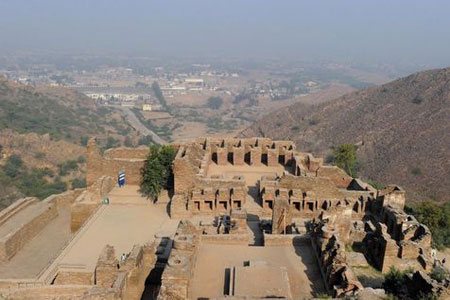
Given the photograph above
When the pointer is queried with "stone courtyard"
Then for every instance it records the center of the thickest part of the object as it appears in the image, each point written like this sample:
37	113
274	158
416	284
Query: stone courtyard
247	219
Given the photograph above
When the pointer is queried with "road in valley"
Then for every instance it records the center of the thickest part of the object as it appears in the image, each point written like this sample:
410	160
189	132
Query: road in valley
136	123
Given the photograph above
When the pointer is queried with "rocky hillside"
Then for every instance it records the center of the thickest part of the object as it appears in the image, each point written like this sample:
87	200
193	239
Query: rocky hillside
43	132
62	113
402	130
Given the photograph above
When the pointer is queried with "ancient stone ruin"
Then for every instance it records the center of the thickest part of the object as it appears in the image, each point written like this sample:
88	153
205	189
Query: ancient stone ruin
247	219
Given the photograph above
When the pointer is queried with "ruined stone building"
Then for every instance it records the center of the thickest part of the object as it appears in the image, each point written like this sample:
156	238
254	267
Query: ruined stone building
247	219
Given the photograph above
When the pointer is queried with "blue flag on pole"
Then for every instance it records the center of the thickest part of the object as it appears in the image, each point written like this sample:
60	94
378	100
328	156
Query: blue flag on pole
122	178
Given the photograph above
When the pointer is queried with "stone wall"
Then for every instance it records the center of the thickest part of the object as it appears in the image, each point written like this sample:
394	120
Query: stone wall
338	277
112	161
66	199
308	197
80	212
73	277
88	201
128	282
271	240
226	239
397	239
181	263
35	217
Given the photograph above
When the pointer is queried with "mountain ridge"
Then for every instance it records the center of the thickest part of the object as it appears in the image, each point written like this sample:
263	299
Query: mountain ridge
401	128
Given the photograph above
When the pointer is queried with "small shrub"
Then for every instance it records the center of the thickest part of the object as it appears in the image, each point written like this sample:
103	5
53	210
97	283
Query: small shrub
13	166
378	186
128	142
68	166
329	159
214	102
39	155
79	183
145	140
323	296
394	281
438	274
295	127
84	140
313	122
416	171
417	99
429	296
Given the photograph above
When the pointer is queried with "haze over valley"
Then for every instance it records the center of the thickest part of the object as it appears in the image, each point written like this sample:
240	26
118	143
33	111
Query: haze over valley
224	150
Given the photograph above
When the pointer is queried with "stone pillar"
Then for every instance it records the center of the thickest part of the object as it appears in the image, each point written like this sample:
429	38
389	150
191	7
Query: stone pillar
272	157
196	197
268	195
255	157
223	195
238	156
238	194
222	156
283	194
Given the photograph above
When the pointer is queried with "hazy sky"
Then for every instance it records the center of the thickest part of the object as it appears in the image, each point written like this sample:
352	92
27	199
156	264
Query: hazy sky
361	30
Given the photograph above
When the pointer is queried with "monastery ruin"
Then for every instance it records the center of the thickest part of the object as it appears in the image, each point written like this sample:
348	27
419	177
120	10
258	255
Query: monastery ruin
247	219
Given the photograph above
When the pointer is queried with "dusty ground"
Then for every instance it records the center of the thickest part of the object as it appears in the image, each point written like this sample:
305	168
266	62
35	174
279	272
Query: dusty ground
127	221
212	260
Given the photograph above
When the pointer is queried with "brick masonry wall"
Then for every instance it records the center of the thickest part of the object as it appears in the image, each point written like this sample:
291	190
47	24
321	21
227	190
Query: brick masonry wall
112	161
15	241
65	199
74	277
229	239
126	153
80	212
15	208
48	292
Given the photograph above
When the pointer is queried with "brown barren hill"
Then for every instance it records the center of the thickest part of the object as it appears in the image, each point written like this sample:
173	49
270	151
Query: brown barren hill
402	130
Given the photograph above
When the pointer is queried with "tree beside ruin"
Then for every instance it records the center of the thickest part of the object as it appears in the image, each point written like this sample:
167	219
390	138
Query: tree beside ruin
157	172
345	158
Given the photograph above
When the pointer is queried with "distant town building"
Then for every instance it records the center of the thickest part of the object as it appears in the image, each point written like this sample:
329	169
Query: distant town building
147	107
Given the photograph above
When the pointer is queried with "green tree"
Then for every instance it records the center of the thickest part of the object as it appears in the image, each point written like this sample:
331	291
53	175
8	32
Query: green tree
430	214
112	142
13	166
214	102
158	94
157	172
394	281
128	142
145	140
79	183
345	158
436	218
84	140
